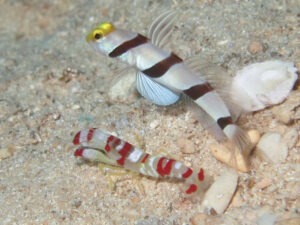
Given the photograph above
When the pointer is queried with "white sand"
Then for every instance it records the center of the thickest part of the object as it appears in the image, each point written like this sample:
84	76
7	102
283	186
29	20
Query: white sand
52	85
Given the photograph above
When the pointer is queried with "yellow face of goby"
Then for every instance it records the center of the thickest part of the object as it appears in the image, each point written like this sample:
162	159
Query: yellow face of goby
99	32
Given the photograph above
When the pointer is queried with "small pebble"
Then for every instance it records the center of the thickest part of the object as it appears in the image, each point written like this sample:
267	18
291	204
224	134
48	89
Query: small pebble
272	147
123	90
290	110
154	124
75	107
291	137
76	203
264	183
5	153
283	115
220	193
255	47
254	136
186	146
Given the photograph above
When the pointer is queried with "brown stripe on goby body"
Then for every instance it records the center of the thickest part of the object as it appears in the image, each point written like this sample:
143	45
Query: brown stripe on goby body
127	45
224	121
198	90
160	68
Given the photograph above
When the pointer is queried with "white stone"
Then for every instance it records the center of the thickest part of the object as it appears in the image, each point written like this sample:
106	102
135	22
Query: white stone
260	85
220	193
154	124
123	89
272	147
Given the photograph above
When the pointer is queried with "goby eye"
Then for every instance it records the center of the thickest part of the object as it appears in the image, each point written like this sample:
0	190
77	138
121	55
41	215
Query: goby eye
97	36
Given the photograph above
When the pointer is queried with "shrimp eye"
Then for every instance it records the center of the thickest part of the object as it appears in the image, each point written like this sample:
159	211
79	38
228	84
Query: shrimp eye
97	36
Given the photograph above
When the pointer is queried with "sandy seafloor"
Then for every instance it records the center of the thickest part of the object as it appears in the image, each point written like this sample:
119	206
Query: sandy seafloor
52	84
